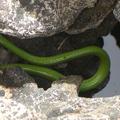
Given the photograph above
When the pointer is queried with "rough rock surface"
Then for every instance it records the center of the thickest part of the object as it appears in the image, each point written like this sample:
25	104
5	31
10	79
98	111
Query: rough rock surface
100	30
117	11
39	17
47	17
93	17
60	102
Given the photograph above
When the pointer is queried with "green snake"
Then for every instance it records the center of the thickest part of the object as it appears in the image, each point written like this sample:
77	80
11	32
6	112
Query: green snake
38	64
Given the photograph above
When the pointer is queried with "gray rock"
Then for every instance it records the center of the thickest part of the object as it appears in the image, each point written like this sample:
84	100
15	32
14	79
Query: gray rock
14	77
93	17
117	11
32	18
60	102
6	57
27	19
101	30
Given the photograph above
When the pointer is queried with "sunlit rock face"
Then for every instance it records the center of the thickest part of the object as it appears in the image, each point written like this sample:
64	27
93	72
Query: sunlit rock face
60	102
43	18
30	18
117	11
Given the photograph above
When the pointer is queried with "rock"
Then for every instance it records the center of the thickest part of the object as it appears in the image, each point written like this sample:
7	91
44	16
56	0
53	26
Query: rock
48	17
39	17
60	102
6	57
92	18
116	11
14	77
101	30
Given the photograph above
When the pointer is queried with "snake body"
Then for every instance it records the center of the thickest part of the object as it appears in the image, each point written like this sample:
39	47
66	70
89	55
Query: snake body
39	62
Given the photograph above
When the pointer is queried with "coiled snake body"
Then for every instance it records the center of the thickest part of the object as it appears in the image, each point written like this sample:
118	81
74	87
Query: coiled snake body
39	62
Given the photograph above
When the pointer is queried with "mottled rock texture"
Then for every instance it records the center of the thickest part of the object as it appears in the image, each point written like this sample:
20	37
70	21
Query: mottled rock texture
39	17
91	18
60	102
117	11
31	18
